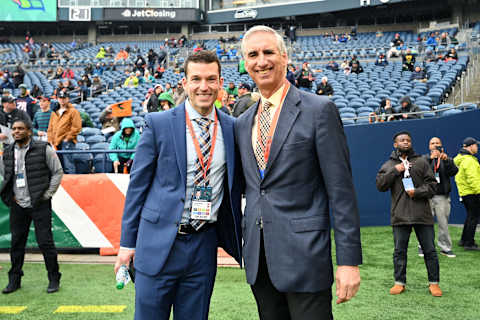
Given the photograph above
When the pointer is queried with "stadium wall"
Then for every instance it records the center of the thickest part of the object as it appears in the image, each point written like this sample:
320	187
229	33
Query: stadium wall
87	209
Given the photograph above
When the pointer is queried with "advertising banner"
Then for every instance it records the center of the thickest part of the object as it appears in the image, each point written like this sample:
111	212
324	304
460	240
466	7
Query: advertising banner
28	10
152	14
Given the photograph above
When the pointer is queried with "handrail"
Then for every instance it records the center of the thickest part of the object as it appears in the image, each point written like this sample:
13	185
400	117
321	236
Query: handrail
408	113
94	151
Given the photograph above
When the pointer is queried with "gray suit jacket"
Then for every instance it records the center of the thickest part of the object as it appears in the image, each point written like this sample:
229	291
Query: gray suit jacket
308	176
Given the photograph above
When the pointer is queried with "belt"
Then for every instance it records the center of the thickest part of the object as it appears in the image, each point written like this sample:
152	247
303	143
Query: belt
185	228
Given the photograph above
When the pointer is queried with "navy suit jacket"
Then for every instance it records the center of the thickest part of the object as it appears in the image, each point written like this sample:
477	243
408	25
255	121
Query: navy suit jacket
156	193
308	176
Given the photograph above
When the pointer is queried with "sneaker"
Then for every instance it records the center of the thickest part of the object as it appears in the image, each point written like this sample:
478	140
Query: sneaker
435	290
420	252
449	254
397	289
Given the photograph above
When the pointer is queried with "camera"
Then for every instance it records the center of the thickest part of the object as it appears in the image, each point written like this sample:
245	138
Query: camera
440	149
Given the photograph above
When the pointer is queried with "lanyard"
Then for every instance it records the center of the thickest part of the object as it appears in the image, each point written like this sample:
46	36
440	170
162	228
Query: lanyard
273	125
406	164
436	165
197	144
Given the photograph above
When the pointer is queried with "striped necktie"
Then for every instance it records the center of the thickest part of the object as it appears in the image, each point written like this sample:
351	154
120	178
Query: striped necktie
264	123
205	143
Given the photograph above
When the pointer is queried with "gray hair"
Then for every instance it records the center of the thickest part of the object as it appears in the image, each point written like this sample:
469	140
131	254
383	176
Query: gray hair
280	43
325	78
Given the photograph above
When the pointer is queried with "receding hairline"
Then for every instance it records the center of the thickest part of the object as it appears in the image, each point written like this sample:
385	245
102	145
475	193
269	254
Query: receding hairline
280	44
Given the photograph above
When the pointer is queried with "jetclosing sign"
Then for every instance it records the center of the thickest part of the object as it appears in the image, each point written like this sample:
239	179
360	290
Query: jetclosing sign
152	14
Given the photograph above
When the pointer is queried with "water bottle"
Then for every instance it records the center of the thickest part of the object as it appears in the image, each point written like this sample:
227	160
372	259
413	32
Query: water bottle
122	277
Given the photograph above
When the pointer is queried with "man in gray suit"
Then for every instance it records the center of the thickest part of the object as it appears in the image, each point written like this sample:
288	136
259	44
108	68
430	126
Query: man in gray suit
296	165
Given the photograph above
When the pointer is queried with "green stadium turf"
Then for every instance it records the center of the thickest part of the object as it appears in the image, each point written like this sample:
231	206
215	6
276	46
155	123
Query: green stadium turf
232	299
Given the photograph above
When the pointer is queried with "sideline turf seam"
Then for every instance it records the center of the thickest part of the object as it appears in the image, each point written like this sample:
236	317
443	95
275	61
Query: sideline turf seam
12	309
90	309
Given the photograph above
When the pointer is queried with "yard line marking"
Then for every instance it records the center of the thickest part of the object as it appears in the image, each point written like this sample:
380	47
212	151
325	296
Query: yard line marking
12	310
90	309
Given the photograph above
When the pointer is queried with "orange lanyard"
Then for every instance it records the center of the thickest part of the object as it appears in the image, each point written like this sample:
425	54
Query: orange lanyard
197	144
273	125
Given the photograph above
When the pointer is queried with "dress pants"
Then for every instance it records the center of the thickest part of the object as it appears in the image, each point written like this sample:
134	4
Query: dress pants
275	305
472	205
20	220
426	237
184	283
440	205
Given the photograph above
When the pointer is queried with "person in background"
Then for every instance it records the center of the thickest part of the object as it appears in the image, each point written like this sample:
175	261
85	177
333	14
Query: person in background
65	124
153	103
86	121
41	118
410	180
384	111
166	102
232	89
32	176
443	169
324	88
381	60
125	139
131	81
408	60
25	102
419	75
244	100
407	108
451	55
108	120
468	185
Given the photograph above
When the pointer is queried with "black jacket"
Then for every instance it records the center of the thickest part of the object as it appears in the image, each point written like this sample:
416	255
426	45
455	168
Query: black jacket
326	89
153	104
446	170
406	210
36	169
14	115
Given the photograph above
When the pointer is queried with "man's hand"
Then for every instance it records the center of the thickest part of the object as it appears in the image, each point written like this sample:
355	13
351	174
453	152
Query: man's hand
347	282
3	136
123	258
400	167
405	116
443	156
411	193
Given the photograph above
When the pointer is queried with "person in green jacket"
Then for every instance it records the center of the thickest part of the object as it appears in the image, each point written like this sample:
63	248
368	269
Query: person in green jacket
166	101
232	89
241	67
101	53
468	184
125	139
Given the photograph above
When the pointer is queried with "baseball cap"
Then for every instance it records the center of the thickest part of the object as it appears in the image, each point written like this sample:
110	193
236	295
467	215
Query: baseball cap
469	141
7	99
40	98
63	94
22	86
245	85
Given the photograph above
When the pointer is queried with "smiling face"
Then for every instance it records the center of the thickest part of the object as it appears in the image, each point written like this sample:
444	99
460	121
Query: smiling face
20	132
264	62
202	83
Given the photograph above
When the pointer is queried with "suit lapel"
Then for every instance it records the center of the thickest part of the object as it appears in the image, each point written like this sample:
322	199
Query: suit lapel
250	119
288	115
179	139
229	145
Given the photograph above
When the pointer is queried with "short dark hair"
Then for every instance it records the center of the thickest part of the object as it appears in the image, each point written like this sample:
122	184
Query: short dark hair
401	133
203	56
26	122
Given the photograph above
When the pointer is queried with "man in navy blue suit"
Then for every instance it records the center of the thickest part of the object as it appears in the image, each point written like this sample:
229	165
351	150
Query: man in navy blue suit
183	200
297	171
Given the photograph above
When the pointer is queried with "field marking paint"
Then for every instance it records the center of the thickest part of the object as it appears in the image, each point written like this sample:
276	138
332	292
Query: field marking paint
11	309
90	309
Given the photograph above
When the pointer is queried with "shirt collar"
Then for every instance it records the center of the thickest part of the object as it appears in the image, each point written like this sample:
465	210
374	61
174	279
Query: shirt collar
276	98
193	114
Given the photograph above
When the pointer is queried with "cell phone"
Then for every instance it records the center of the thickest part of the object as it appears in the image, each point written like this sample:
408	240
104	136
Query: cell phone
439	149
131	271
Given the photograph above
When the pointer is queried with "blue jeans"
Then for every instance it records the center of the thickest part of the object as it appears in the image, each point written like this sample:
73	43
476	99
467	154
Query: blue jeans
68	163
426	237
